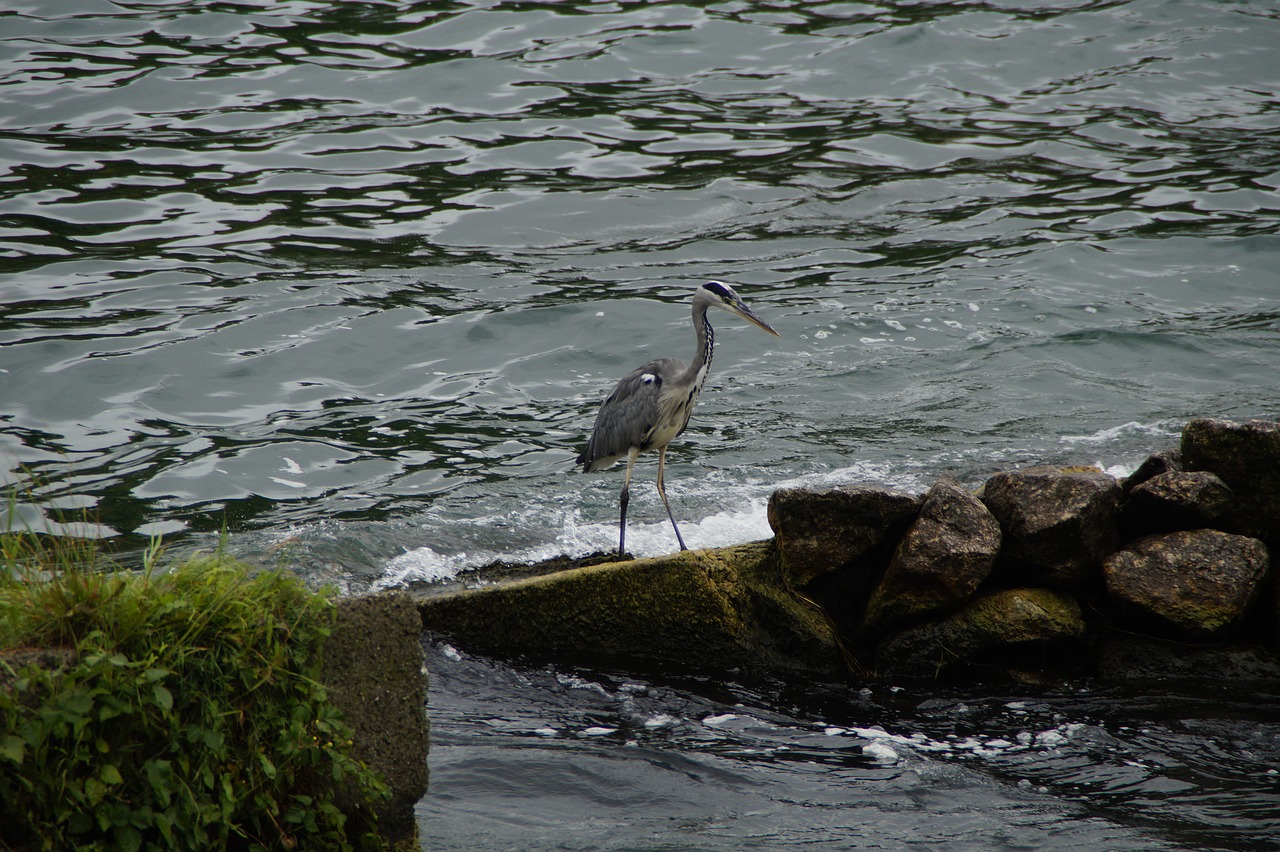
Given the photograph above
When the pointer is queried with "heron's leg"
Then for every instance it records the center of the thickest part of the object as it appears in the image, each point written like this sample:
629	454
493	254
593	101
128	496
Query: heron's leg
662	456
626	496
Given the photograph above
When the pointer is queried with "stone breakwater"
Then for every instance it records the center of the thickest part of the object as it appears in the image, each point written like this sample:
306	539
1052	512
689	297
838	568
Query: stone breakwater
1041	572
1067	569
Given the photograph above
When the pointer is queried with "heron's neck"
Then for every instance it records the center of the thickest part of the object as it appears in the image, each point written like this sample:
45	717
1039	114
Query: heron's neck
701	363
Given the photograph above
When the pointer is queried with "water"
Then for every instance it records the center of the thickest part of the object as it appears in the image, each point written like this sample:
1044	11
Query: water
347	281
527	757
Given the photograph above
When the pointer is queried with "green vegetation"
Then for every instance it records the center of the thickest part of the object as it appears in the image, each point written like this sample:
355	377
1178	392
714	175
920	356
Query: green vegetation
188	713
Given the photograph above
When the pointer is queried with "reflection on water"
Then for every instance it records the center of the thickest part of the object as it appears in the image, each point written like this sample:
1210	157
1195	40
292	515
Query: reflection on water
350	279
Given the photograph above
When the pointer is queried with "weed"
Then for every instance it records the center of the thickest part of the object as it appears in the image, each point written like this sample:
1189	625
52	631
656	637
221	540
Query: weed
189	713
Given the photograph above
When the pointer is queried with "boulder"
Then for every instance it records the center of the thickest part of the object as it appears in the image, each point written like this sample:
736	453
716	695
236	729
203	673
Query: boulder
1196	582
945	555
819	532
707	610
1247	458
999	621
1177	500
1156	464
1058	524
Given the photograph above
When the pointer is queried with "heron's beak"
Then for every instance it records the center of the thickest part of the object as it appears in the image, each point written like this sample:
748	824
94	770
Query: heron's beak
739	308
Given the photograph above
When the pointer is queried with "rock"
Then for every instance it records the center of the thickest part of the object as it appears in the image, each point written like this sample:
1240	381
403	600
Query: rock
1198	582
1156	464
944	557
1000	620
1270	611
374	670
1247	458
707	610
1058	524
819	532
1177	500
1127	659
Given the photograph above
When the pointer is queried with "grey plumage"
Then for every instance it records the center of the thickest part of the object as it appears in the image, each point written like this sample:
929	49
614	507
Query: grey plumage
651	405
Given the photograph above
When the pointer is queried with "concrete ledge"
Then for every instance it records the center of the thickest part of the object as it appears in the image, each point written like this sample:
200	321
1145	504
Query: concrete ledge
376	675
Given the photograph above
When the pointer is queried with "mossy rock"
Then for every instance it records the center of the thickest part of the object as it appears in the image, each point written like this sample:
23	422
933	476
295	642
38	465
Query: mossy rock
705	610
1196	583
946	554
1057	522
1247	458
819	532
1177	500
1001	620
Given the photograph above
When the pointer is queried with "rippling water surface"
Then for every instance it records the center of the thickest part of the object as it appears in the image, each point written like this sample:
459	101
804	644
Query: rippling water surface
527	758
348	279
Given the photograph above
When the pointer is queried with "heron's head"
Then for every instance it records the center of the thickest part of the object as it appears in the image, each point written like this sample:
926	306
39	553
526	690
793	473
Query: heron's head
722	295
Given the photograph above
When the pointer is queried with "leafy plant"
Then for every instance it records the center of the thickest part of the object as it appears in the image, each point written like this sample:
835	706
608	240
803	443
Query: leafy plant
189	713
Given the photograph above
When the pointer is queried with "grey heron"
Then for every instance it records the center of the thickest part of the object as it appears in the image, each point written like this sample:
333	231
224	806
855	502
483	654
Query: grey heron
651	405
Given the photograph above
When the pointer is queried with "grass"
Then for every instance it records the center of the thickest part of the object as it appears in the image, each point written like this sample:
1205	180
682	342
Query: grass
185	711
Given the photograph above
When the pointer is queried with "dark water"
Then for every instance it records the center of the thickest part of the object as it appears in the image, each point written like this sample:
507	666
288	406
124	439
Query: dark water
557	758
347	279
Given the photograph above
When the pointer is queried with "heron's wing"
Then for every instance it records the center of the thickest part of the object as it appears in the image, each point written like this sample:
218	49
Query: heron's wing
628	414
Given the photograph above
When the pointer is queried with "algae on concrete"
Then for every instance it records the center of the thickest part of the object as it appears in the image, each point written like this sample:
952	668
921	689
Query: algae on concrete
708	609
375	674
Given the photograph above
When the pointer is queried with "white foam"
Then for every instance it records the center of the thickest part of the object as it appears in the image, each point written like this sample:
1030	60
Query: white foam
576	682
649	531
1162	429
1119	471
597	731
661	720
422	564
648	538
880	752
856	473
884	743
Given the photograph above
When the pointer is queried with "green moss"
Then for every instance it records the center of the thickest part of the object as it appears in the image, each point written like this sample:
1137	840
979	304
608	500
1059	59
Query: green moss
184	711
1197	621
1016	615
724	608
